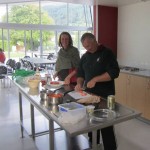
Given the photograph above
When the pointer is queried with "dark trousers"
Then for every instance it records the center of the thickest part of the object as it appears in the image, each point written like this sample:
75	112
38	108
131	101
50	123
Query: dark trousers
108	137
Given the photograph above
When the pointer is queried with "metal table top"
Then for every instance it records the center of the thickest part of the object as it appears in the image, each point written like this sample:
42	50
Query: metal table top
84	126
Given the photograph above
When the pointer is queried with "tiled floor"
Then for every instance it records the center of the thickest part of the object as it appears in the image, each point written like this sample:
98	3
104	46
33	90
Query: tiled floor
131	135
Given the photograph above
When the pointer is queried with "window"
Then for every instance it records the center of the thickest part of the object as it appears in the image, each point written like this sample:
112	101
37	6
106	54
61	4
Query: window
34	27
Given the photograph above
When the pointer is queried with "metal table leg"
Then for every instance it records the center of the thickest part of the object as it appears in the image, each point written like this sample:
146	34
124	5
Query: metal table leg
94	140
21	113
51	134
32	121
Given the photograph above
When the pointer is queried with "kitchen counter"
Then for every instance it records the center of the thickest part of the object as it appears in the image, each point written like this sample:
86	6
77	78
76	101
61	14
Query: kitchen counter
135	71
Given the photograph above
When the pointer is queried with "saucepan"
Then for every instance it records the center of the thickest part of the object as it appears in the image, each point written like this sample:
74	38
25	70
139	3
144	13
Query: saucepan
43	95
55	98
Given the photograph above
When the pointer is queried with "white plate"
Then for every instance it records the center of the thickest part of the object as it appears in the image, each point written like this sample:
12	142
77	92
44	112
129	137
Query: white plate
60	83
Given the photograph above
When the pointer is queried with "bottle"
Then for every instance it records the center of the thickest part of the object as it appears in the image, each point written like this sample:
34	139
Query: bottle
37	74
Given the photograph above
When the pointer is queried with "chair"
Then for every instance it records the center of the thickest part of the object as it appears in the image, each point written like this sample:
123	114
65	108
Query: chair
8	62
30	66
13	64
9	68
3	73
18	65
26	56
35	55
50	56
23	63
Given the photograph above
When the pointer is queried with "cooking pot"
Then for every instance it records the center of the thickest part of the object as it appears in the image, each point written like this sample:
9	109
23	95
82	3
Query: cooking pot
54	108
55	98
44	103
43	95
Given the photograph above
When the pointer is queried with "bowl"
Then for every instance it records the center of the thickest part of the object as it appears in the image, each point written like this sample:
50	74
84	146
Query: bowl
33	83
55	84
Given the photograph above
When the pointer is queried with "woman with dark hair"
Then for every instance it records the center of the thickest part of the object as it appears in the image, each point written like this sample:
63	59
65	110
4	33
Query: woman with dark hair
67	60
2	56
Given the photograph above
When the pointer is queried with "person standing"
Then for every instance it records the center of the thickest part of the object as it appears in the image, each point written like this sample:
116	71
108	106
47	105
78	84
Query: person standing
97	69
67	60
2	56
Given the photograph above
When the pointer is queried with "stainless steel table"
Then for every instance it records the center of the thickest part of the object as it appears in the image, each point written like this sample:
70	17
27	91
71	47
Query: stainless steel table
81	127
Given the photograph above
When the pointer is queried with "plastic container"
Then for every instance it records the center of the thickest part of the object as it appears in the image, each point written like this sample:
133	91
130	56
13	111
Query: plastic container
72	112
33	83
90	109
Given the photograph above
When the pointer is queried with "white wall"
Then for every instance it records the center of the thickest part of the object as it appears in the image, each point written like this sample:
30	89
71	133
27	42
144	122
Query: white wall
134	35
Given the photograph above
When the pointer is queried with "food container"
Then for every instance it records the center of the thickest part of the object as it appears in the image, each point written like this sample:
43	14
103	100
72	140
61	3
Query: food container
43	81
44	103
103	115
72	112
90	109
55	98
111	102
54	108
33	91
43	95
33	83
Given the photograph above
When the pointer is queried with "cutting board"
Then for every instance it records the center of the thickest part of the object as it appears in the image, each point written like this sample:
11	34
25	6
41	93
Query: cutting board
79	95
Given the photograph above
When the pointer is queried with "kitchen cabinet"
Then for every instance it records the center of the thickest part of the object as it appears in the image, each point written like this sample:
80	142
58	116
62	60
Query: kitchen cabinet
147	102
134	91
136	88
120	86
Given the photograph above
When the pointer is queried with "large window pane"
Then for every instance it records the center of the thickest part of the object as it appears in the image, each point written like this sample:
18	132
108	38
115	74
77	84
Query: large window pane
89	14
3	16
32	42
76	15
36	29
49	43
56	11
17	49
24	13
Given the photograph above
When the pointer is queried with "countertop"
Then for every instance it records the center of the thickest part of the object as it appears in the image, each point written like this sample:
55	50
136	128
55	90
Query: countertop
135	71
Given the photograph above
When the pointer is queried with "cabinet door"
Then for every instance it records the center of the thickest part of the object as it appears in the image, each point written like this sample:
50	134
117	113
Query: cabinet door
130	90
139	93
120	87
147	103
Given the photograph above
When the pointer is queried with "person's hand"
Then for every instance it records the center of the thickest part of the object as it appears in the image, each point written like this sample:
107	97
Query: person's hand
91	84
78	87
67	80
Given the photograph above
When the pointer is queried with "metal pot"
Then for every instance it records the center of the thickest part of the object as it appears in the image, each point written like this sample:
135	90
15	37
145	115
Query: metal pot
43	95
55	98
54	108
44	103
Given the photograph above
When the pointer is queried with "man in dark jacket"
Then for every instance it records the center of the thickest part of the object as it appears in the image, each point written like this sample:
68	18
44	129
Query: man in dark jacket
97	70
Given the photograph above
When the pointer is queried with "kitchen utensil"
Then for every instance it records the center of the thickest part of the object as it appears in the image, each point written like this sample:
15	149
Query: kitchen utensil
55	98
43	95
